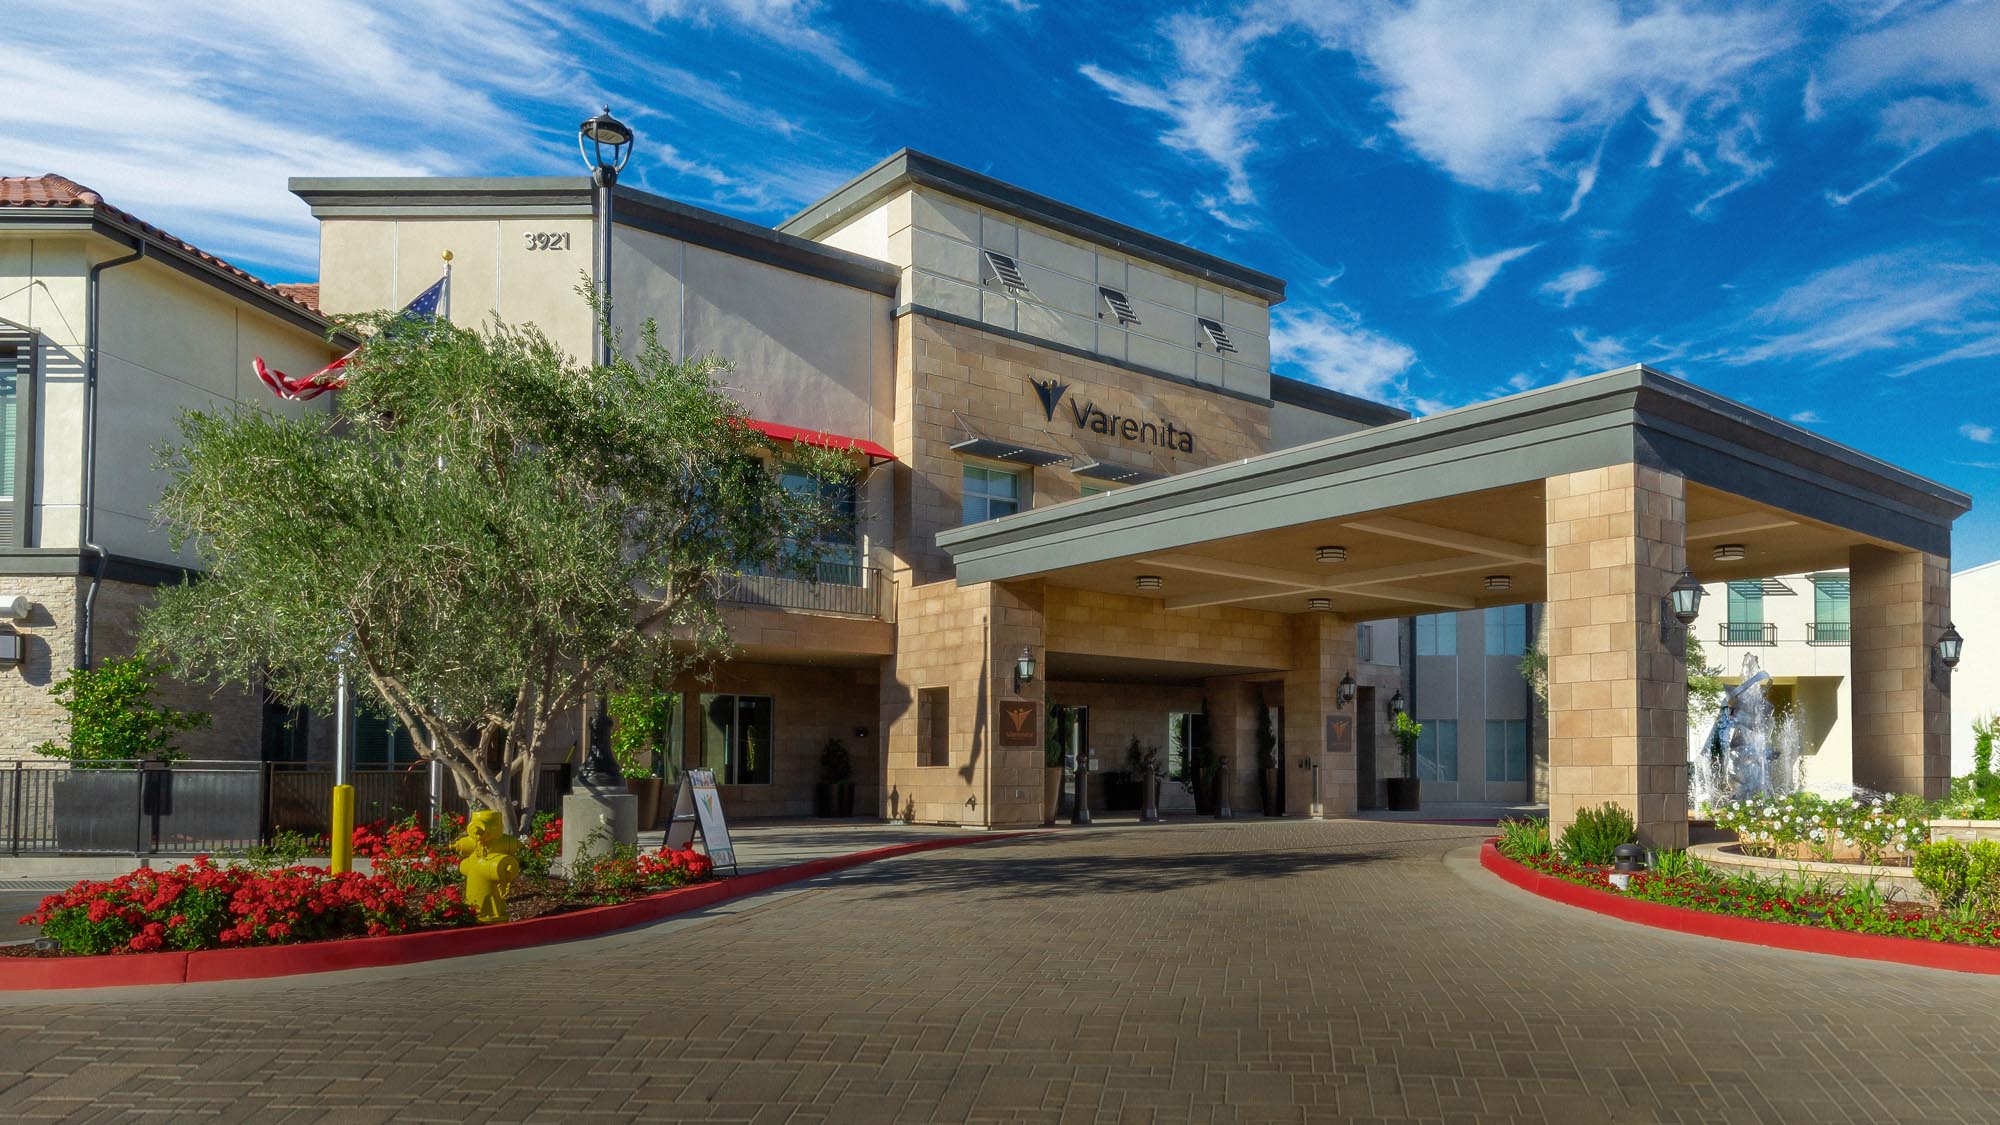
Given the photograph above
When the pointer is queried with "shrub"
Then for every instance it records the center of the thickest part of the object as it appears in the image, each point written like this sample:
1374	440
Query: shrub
111	715
1596	833
625	872
1821	827
1407	731
1523	838
541	846
1958	875
836	767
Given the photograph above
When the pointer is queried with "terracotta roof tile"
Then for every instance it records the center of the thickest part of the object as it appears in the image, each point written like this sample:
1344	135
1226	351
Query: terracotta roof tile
52	190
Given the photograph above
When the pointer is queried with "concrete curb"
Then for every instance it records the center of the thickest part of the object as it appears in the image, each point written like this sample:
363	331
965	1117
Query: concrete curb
20	974
1749	931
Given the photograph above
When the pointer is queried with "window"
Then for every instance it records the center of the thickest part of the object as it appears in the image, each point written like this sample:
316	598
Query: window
1095	489
1507	630
1506	750
934	726
1183	735
736	738
990	493
1437	634
1830	620
13	433
1746	611
1437	750
837	547
1364	643
382	742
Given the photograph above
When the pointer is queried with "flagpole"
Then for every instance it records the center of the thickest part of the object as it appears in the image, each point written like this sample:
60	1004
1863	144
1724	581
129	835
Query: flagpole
444	303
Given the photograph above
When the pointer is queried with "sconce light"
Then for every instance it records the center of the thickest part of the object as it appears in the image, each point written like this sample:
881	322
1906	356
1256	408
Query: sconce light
1684	600
13	650
13	607
1949	646
1024	669
1396	703
1347	690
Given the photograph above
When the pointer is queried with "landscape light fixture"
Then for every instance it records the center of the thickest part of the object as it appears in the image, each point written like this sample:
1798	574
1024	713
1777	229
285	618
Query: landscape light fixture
1319	603
1150	582
1346	697
1949	646
1330	554
1396	703
1730	552
606	144
1024	669
1499	581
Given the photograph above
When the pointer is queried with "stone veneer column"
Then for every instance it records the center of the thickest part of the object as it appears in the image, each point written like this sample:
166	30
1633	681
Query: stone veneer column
1899	603
1617	680
1014	773
1322	652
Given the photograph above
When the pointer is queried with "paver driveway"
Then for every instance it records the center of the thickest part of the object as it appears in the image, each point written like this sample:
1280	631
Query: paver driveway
1241	971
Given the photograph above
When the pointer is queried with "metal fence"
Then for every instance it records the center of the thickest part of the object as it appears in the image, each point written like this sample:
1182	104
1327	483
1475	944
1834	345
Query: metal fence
190	807
855	591
1748	633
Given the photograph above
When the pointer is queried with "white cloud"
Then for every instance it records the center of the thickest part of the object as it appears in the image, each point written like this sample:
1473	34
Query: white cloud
791	24
1213	111
1499	95
1336	350
1597	354
1471	277
1935	77
1572	283
1975	432
1806	417
1921	299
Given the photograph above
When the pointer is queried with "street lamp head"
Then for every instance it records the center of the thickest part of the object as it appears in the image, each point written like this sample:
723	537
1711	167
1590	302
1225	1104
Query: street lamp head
1684	600
1949	646
606	144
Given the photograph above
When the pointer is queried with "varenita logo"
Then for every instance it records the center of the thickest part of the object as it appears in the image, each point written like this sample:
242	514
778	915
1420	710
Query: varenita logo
1051	393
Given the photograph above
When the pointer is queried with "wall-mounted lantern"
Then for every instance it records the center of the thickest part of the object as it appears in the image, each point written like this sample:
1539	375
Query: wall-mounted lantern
1024	669
1684	600
1396	703
1949	645
1347	690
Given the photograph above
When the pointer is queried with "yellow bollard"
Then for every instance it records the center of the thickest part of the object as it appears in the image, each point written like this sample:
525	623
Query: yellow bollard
343	829
489	865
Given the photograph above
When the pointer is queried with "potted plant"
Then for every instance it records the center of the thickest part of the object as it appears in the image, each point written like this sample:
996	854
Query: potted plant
834	795
1406	792
1267	761
114	726
642	723
1052	769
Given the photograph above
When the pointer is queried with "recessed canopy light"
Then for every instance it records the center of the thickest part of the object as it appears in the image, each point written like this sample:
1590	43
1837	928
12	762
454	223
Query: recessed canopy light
1330	554
1730	552
1150	582
1499	581
1319	603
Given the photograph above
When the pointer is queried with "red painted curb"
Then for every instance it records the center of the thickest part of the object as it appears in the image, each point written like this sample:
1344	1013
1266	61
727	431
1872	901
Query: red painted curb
1749	931
20	974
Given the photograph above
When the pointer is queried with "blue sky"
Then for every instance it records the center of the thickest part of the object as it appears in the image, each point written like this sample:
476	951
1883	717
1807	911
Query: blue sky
1791	204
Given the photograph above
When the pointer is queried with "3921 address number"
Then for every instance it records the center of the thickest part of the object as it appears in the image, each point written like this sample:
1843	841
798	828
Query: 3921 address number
547	240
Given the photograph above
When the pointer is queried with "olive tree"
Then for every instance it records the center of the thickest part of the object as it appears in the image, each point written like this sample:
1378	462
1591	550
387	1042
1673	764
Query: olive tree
482	533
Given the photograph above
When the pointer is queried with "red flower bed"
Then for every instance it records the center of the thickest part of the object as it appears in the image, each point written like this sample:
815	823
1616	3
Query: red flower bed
415	885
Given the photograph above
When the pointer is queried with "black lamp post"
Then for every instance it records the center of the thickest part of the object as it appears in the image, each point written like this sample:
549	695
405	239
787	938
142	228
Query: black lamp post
605	144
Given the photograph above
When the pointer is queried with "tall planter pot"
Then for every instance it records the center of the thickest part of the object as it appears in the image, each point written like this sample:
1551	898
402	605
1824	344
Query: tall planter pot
1267	788
647	789
1405	794
843	798
1052	782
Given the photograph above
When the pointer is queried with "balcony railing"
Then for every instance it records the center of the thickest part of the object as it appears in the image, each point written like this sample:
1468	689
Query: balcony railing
1749	633
852	591
1829	632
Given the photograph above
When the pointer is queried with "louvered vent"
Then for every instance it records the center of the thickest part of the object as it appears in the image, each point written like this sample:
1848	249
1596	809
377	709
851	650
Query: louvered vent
1117	305
1218	336
8	532
1004	270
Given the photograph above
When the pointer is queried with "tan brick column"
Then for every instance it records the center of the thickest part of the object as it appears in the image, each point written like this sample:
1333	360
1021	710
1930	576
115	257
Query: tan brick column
1232	722
1322	652
1899	603
1014	773
1617	681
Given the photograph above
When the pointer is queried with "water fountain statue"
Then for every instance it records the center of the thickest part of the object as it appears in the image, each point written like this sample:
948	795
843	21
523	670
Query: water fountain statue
1749	751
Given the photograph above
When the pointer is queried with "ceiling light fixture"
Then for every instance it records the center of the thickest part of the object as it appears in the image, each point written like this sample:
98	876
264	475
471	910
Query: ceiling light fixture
1499	581
1331	554
1150	582
1730	552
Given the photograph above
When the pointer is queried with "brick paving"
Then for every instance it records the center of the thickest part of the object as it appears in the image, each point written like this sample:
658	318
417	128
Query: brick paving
1244	971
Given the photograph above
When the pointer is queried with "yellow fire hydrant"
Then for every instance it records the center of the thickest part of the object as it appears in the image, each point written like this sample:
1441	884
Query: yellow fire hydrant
489	865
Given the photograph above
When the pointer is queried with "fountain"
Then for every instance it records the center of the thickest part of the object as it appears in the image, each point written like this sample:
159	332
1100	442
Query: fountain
1749	750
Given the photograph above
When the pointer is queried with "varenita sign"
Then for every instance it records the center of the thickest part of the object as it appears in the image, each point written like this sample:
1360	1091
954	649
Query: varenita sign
1089	416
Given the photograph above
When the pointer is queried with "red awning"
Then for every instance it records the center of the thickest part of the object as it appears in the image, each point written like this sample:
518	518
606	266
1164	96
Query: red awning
779	432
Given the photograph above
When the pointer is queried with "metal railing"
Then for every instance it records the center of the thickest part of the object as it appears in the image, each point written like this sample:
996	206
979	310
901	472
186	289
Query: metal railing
1829	632
191	807
854	591
1749	633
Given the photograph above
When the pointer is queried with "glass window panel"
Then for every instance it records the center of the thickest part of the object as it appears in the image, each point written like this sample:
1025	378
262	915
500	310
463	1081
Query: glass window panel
1437	634
1507	630
989	493
10	409
718	730
1506	750
752	761
1437	750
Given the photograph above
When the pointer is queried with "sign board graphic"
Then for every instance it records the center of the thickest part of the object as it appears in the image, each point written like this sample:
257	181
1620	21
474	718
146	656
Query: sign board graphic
1020	725
698	808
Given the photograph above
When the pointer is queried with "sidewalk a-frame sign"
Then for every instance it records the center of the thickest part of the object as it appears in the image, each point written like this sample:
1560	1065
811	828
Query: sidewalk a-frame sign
698	808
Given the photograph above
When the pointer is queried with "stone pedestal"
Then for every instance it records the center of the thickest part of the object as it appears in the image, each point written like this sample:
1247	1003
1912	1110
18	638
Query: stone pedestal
594	820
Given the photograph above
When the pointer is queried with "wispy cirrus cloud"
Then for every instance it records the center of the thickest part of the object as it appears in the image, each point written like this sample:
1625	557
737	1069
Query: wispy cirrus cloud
1573	283
1935	301
794	25
1470	278
1331	347
1213	111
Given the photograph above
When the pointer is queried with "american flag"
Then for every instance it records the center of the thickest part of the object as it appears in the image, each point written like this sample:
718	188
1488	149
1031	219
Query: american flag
305	388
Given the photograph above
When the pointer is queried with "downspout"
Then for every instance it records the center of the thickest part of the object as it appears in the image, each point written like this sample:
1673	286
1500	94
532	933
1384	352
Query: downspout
93	298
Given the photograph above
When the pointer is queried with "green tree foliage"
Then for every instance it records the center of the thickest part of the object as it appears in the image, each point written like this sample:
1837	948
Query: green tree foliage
643	720
484	531
1407	731
111	715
